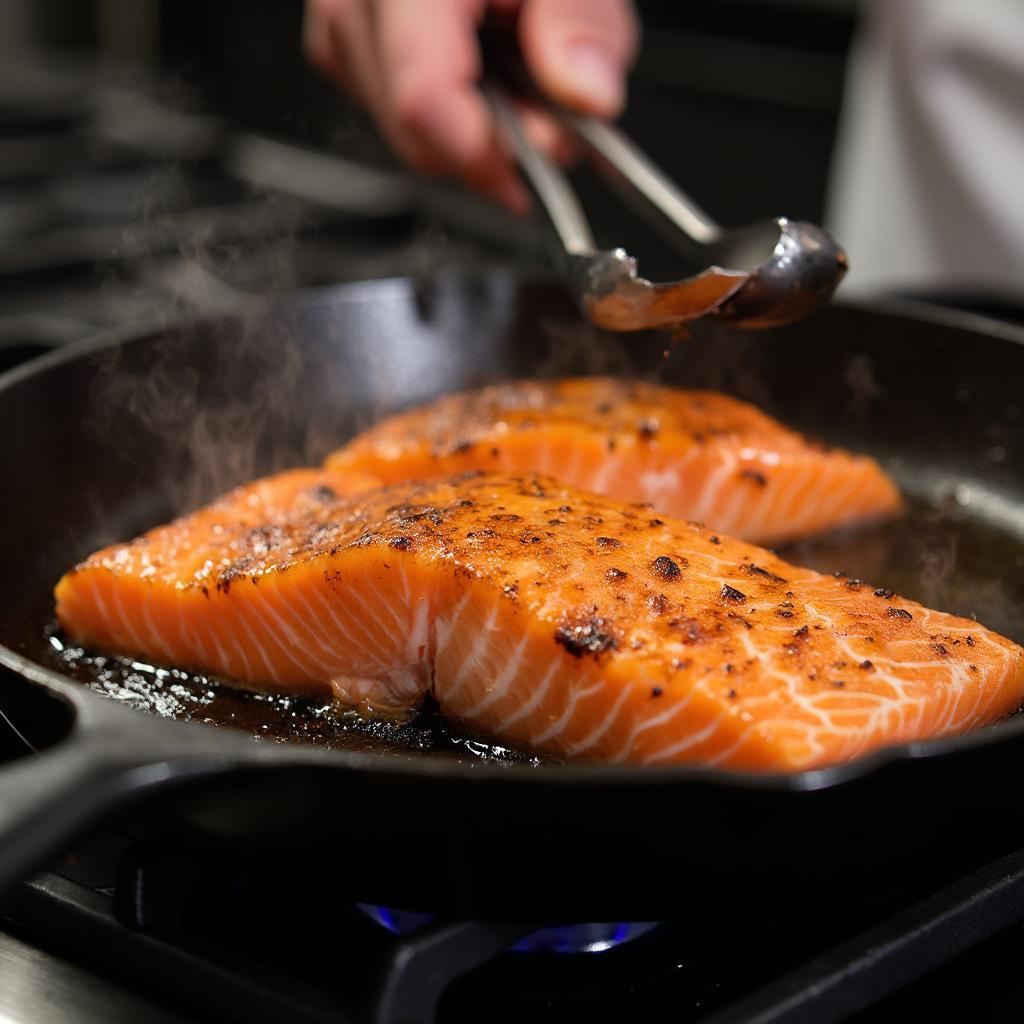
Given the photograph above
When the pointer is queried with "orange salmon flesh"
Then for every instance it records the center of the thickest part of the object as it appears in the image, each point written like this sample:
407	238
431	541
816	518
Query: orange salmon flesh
692	454
544	616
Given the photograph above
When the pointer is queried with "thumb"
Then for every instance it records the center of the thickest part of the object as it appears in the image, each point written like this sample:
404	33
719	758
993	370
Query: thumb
578	51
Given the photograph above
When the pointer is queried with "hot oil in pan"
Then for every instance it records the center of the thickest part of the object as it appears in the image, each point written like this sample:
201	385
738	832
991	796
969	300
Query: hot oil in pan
934	554
173	693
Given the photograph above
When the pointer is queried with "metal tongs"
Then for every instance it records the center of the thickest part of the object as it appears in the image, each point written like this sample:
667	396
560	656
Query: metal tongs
770	273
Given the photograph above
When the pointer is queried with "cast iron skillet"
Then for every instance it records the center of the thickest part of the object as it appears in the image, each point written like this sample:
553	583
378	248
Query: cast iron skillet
100	442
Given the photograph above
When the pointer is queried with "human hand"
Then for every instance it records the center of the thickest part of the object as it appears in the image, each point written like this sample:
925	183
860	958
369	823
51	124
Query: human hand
415	65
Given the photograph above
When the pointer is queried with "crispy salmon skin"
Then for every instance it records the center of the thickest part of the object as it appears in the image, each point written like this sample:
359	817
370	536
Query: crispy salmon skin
693	454
544	616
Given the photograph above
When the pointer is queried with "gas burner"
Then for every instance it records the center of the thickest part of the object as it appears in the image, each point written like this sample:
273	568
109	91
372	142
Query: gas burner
596	937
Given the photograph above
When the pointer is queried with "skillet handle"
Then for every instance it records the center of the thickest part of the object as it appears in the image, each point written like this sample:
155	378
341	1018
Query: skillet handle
110	761
49	800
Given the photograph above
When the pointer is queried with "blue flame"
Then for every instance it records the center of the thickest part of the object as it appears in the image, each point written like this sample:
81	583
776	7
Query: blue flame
571	938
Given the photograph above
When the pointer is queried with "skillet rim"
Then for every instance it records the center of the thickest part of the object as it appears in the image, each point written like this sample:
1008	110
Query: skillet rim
89	705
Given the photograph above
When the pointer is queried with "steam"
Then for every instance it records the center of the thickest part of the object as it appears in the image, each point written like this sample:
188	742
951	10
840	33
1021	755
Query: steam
938	561
232	438
865	391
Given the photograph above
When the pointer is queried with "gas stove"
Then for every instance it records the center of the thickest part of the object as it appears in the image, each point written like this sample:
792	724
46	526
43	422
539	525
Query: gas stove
127	928
117	209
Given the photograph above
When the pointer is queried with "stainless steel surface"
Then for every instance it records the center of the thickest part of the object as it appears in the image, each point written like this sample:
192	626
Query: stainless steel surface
37	987
556	195
766	274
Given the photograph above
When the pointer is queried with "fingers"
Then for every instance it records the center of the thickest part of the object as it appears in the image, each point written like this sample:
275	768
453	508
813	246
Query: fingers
414	64
437	118
337	39
579	51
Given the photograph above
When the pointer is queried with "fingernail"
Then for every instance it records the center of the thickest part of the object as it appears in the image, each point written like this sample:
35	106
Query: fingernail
595	77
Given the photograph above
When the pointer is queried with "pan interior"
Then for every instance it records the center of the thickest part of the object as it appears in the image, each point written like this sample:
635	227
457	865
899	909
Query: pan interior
144	430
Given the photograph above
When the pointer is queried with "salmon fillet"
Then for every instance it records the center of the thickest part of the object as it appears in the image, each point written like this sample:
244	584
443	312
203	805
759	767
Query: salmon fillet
542	615
693	454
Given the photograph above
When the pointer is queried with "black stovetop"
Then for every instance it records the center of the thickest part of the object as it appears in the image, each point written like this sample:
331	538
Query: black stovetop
116	210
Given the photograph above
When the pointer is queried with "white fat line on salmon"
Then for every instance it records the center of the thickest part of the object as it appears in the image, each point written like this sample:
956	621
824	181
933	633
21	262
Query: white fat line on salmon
299	634
499	686
558	725
792	507
791	687
954	717
542	462
199	631
417	649
404	577
540	691
572	470
675	708
243	620
349	642
128	623
744	737
327	644
799	502
840	497
476	653
211	630
444	626
713	485
667	753
352	594
229	645
658	484
743	517
159	646
594	737
609	467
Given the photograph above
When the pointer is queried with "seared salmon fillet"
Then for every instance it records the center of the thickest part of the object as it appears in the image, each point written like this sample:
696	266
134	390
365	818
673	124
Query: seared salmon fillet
693	454
545	616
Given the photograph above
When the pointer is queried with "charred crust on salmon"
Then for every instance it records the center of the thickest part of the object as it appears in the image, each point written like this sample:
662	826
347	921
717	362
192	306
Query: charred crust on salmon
648	428
731	594
755	570
608	542
587	636
754	475
689	628
666	569
882	592
614	575
899	613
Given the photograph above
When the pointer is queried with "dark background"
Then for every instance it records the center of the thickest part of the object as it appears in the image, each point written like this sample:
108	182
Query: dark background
738	99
